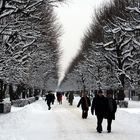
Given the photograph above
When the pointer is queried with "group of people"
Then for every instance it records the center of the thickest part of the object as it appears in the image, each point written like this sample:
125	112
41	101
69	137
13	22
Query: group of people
50	98
104	107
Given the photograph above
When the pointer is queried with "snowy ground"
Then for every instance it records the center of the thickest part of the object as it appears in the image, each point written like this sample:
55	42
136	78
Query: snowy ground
64	122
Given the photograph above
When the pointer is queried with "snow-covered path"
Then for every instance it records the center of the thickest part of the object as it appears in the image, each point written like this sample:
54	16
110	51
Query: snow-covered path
64	122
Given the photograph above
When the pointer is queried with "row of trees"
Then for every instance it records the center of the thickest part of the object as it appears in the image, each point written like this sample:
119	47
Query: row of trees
29	39
110	54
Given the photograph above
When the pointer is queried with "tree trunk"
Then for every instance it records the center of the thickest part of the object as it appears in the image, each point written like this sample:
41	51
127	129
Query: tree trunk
11	92
30	92
23	94
121	94
1	90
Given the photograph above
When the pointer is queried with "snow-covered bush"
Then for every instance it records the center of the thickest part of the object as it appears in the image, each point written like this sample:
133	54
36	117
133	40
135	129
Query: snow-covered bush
23	102
5	107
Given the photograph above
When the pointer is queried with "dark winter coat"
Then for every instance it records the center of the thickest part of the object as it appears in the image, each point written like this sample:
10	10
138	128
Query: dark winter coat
84	102
71	97
59	96
50	98
99	106
111	108
53	98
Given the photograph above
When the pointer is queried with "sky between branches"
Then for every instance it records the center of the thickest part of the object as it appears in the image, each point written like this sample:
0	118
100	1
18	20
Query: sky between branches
75	17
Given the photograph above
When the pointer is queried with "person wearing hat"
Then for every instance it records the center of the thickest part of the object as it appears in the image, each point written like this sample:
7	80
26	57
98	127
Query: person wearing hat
99	106
111	109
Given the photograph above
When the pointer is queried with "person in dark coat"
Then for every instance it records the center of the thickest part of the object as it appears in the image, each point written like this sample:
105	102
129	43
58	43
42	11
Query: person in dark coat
59	97
85	103
49	100
71	97
99	106
53	98
111	109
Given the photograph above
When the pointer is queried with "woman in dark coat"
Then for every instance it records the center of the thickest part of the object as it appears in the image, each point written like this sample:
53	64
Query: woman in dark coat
99	106
111	109
85	103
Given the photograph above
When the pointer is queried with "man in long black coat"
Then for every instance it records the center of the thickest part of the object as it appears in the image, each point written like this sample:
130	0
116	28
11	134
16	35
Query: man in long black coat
99	106
111	109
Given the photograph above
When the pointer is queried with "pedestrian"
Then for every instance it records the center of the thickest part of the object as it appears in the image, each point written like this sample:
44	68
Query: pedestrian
59	97
71	97
49	100
53	97
85	103
99	106
111	109
67	95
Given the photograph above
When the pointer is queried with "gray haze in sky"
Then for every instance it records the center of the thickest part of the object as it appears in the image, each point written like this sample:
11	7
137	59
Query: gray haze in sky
75	17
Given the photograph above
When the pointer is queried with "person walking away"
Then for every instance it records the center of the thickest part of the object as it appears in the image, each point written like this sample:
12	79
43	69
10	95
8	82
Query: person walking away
49	100
99	106
111	109
53	98
71	97
67	95
59	97
85	103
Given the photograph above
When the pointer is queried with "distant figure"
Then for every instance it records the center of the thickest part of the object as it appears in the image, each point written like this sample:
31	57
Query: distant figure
111	109
50	99
71	98
85	103
59	97
67	95
99	105
53	98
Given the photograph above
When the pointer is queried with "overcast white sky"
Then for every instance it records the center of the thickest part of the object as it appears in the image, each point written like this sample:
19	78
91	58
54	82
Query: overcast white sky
75	17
